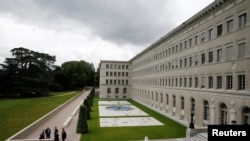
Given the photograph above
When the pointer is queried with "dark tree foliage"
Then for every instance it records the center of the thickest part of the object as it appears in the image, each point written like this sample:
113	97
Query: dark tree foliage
82	125
32	74
27	74
77	74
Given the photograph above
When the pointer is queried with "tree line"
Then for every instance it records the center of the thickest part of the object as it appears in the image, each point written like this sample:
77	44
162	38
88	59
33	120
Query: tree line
33	74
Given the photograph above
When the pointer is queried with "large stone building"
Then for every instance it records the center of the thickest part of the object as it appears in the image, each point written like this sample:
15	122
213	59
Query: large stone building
201	68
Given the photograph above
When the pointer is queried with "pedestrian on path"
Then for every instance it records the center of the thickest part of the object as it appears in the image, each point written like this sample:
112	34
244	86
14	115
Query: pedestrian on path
56	134
47	132
64	134
42	135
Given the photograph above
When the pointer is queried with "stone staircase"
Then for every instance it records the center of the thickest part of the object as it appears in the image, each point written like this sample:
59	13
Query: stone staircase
197	137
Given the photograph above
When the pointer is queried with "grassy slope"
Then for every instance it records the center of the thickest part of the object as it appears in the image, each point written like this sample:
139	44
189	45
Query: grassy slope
19	113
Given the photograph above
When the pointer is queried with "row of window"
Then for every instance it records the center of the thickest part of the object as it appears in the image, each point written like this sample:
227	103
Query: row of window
208	82
123	74
204	36
206	108
202	58
116	82
109	90
117	66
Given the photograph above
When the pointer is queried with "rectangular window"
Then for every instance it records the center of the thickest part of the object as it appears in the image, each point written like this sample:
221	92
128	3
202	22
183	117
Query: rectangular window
196	60
203	59
202	82
185	82
242	20
176	82
190	61
203	37
219	55
180	82
190	82
241	82
219	82
107	73
219	30
229	53
210	56
185	62
241	50
230	25
185	44
210	82
229	82
180	63
126	66
210	33
196	82
196	39
180	46
190	42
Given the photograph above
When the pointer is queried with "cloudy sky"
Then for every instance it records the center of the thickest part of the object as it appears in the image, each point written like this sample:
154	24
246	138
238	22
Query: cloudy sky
90	30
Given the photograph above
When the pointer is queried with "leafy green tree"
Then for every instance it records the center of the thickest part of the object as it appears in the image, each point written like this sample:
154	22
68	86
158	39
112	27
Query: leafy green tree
78	74
28	72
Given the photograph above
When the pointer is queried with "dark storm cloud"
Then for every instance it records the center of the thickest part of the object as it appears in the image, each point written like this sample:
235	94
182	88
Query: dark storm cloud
137	22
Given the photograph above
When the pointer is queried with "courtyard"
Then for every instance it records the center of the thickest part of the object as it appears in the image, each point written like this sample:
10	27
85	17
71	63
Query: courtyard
112	114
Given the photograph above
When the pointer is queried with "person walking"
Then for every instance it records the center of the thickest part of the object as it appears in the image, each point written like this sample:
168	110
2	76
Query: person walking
64	134
47	132
56	134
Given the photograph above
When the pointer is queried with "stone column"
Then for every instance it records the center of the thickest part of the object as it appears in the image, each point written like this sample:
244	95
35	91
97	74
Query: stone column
232	114
211	117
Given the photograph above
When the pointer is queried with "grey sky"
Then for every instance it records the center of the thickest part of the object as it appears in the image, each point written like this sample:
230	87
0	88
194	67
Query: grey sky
90	30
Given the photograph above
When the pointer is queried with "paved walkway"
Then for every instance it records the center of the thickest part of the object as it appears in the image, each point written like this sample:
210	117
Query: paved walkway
60	118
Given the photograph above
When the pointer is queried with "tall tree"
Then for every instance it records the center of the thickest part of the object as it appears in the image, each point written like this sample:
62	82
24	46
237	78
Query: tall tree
78	73
29	72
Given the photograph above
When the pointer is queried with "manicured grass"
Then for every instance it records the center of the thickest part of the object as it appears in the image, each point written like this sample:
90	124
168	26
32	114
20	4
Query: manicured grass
16	114
170	129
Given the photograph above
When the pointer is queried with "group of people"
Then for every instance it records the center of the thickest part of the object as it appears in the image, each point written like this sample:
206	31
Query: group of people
46	134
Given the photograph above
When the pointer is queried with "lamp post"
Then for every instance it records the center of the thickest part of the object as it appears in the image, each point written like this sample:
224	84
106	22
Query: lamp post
191	124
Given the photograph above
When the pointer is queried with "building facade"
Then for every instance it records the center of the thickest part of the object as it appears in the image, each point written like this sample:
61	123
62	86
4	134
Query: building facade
201	68
115	79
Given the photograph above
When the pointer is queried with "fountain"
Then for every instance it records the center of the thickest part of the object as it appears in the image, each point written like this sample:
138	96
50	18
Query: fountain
119	107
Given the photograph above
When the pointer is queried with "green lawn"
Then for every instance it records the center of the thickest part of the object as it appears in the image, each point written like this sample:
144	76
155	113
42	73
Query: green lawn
171	129
16	114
